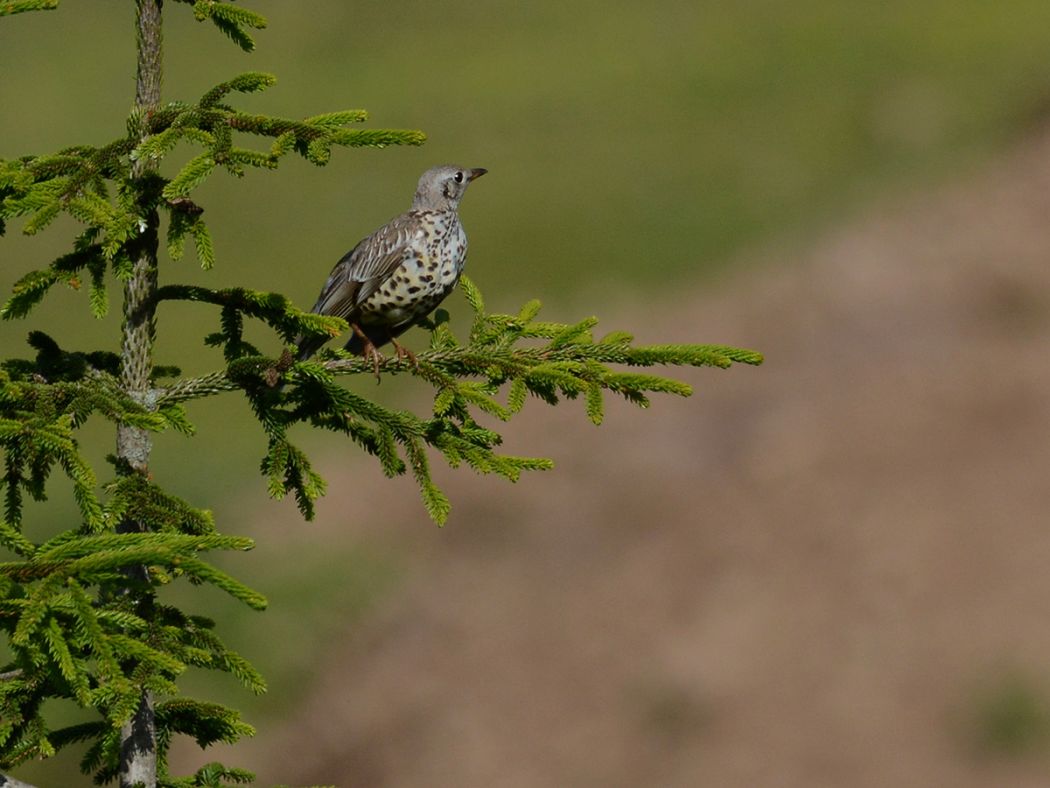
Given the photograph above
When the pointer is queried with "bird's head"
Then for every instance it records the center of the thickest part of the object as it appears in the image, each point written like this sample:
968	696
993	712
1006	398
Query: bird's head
441	188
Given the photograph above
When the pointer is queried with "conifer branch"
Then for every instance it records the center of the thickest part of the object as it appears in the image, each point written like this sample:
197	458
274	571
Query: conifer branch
469	361
228	19
8	7
75	181
274	309
545	359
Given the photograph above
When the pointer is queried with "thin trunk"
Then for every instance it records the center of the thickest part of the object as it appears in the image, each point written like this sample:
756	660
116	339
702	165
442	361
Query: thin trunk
138	748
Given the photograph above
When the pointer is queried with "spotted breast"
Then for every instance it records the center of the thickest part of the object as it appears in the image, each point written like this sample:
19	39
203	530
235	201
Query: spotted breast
431	264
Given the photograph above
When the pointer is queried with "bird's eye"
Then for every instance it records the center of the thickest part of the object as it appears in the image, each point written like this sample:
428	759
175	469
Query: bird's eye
459	177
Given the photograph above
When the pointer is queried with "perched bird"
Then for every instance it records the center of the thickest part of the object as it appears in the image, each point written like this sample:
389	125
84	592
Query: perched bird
396	276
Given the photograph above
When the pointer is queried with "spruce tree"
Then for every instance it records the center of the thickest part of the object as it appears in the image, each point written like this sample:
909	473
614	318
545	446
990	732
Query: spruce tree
80	609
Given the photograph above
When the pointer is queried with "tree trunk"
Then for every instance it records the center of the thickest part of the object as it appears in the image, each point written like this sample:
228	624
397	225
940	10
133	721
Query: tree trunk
138	747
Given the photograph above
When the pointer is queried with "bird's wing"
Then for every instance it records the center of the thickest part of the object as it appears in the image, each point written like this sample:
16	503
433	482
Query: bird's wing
365	267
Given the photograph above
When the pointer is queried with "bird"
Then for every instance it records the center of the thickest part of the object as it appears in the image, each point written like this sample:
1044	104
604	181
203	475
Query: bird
399	274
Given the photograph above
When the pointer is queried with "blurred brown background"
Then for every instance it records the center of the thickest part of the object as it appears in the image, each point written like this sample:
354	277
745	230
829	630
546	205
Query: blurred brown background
826	571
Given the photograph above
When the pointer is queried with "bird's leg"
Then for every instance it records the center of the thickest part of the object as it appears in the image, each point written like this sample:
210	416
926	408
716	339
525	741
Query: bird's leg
369	350
403	353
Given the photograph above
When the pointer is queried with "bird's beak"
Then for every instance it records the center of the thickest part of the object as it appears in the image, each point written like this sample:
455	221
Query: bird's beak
477	172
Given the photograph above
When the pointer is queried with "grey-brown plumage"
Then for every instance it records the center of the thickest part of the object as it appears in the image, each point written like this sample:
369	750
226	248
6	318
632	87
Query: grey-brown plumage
396	276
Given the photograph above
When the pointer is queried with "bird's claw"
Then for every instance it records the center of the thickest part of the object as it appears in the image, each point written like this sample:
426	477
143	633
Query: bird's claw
376	357
404	353
368	350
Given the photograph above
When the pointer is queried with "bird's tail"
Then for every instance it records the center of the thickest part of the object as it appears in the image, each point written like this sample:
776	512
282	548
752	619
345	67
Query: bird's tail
306	346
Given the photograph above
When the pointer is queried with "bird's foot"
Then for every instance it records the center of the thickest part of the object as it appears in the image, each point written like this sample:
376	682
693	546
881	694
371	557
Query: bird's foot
375	357
368	350
404	353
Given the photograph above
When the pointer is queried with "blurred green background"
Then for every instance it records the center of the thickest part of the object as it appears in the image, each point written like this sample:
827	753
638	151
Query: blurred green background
634	150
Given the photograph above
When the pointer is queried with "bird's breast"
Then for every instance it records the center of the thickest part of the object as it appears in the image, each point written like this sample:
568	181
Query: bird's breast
429	269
